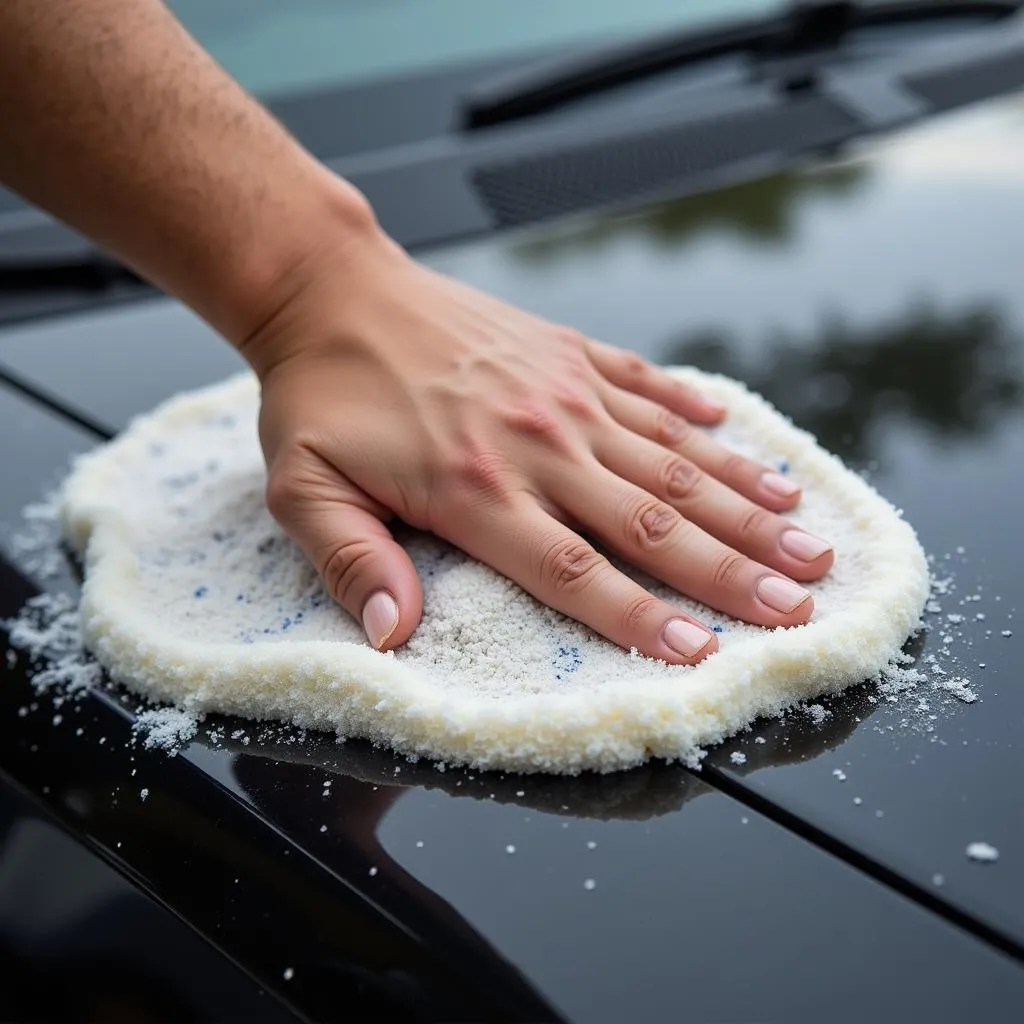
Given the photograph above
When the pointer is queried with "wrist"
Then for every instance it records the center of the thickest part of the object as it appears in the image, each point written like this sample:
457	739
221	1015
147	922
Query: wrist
327	222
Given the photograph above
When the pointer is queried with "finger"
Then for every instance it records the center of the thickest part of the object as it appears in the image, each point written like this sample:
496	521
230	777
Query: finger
719	510
755	481
653	536
634	374
339	529
559	568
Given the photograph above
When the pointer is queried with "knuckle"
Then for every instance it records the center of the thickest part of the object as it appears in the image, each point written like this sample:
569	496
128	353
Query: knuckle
539	424
754	522
343	566
571	564
638	610
651	521
577	402
633	366
668	428
679	477
571	337
574	353
480	470
728	570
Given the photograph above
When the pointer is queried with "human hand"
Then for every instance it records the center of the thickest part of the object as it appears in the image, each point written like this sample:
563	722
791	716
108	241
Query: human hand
390	390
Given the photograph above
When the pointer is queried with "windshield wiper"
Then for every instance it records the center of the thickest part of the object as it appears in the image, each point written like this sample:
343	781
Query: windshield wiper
798	29
89	273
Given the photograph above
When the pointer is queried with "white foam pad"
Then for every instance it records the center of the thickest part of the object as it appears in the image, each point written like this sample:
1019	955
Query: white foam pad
194	596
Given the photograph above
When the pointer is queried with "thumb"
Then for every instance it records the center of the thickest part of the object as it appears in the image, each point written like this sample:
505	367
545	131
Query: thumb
340	530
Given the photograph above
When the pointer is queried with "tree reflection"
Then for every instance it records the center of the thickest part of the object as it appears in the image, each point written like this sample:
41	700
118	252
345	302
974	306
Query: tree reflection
761	211
956	374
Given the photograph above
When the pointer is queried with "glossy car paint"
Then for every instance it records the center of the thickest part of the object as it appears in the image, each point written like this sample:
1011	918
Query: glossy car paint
877	301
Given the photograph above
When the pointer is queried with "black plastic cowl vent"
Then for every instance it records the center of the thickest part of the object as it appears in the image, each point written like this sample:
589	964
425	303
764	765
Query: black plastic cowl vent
608	172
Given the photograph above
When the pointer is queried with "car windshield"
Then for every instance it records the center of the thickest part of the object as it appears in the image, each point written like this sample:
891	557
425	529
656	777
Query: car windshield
274	47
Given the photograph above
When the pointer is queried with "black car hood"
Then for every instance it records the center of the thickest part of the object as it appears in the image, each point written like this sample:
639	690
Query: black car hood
875	299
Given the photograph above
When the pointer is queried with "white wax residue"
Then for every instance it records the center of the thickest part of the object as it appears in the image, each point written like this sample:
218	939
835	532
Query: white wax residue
195	598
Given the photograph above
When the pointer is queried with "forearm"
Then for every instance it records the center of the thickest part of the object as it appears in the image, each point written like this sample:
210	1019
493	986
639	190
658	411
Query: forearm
115	120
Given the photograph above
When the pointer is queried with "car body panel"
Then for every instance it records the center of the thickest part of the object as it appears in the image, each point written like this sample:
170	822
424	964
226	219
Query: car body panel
875	299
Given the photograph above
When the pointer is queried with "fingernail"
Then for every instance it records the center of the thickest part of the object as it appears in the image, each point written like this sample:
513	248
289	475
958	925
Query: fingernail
712	406
685	637
804	546
781	594
778	484
380	617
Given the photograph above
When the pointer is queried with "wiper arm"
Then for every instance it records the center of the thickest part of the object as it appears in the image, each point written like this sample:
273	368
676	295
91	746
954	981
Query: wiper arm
798	29
90	273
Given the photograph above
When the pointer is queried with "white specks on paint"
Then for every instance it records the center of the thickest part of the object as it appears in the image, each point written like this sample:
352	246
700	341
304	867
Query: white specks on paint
983	853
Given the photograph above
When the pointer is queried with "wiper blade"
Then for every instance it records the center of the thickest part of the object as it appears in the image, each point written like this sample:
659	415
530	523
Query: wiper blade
91	273
798	29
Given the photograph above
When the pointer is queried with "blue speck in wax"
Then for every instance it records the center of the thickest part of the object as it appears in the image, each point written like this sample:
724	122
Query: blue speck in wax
718	629
199	592
568	660
783	466
241	597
